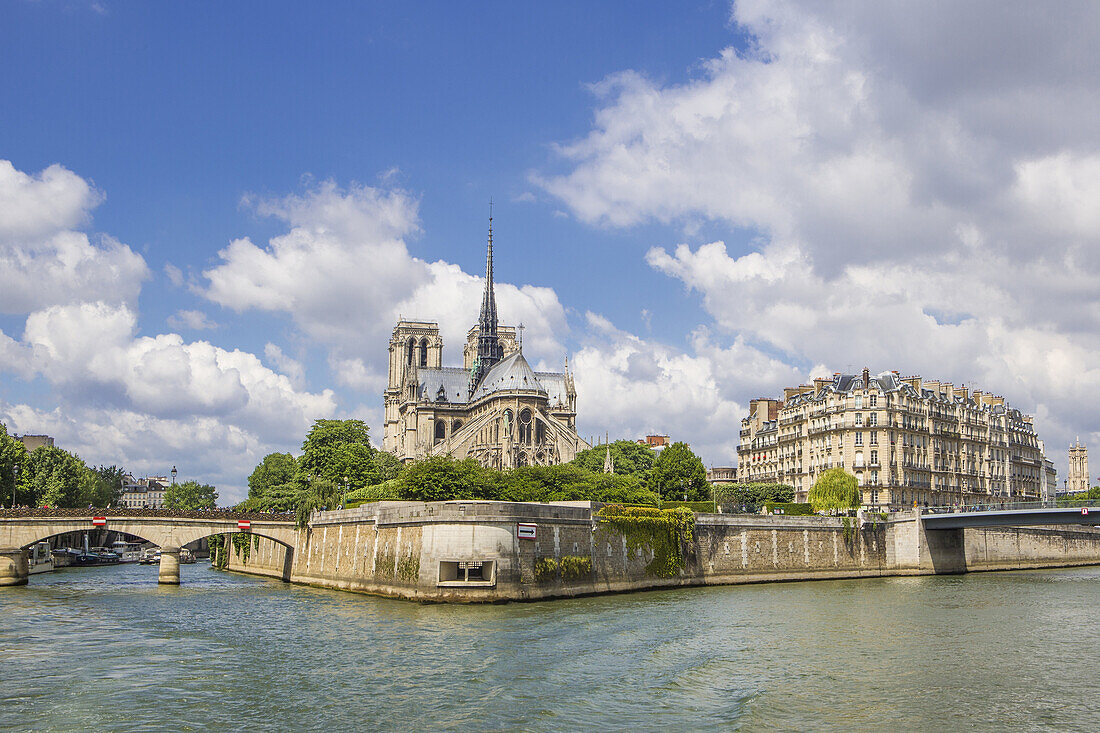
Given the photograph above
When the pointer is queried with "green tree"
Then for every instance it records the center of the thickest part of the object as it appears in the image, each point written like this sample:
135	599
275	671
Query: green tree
835	489
190	496
676	472
274	470
630	458
753	494
318	494
54	477
103	486
441	478
334	449
12	453
387	465
281	498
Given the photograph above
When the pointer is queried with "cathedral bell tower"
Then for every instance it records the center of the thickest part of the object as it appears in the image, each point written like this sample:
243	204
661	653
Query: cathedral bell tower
489	348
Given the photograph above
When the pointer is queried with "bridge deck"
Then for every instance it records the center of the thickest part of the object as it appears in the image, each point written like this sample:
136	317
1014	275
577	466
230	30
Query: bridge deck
1012	517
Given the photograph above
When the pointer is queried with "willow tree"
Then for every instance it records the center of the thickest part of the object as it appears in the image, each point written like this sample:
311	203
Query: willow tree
835	489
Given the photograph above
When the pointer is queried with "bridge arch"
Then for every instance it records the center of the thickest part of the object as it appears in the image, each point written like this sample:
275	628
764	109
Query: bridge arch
167	531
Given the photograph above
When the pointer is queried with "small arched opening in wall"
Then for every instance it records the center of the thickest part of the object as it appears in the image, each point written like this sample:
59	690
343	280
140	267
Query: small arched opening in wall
440	430
424	352
455	426
409	349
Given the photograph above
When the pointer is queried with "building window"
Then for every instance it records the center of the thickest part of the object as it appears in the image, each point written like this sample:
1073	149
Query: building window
859	402
874	437
859	439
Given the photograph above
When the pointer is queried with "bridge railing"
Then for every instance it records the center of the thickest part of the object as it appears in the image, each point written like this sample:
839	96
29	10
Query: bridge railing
82	512
1008	506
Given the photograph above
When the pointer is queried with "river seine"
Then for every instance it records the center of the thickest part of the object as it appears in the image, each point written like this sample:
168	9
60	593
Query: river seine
107	649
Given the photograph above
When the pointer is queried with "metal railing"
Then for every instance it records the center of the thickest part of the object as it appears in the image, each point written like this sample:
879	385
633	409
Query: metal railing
994	506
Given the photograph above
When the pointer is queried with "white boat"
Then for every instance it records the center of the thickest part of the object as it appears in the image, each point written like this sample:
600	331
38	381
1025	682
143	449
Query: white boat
128	551
150	556
40	558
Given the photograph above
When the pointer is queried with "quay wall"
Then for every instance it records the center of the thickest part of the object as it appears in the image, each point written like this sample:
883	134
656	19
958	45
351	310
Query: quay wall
416	550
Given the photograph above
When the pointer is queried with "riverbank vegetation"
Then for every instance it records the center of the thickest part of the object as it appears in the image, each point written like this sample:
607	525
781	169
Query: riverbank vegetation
339	467
834	490
50	476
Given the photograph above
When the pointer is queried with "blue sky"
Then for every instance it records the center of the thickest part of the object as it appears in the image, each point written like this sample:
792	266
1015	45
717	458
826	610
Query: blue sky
844	198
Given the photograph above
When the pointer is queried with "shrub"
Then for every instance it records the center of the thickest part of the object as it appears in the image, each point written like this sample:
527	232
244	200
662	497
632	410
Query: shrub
545	569
753	494
377	492
703	507
789	508
575	566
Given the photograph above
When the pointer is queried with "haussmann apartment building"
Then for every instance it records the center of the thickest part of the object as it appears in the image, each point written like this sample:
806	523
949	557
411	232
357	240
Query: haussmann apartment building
907	440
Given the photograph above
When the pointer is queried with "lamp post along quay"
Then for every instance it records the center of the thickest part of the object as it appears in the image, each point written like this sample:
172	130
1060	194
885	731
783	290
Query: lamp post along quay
14	482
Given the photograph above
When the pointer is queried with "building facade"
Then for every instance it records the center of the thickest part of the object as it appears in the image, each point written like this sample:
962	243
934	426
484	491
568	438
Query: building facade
31	442
1077	479
494	408
907	440
143	493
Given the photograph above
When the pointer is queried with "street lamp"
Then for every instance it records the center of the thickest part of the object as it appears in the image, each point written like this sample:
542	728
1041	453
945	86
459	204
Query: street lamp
173	474
344	503
14	481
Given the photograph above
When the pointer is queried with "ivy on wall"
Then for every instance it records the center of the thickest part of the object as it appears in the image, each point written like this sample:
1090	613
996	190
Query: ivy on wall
242	543
219	553
663	531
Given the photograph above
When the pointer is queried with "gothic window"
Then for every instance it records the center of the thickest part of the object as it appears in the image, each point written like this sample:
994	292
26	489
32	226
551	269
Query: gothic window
540	432
525	425
410	351
456	426
423	352
440	430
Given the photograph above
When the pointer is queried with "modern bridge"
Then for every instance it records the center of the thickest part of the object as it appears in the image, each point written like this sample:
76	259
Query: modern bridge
1023	514
169	530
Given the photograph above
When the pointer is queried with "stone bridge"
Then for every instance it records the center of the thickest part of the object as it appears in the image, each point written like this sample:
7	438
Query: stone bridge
169	530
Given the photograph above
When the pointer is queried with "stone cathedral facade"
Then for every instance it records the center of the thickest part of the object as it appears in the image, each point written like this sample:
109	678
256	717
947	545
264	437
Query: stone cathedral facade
494	408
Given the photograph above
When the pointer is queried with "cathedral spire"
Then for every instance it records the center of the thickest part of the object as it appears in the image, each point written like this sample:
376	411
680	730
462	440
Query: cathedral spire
489	349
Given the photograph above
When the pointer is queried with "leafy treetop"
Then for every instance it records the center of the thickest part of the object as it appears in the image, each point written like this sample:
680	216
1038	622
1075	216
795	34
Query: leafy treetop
835	489
275	469
190	496
630	458
676	472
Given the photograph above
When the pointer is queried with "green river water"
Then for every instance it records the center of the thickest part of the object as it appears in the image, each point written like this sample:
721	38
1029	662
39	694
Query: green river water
107	649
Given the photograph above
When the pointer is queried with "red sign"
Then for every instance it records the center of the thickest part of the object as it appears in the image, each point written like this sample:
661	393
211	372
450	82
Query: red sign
99	521
244	524
526	531
1084	510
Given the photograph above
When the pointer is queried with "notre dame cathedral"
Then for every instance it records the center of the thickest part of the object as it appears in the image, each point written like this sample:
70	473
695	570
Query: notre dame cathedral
494	408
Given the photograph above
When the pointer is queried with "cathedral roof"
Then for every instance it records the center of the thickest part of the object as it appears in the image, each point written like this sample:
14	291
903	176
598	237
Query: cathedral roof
510	373
455	381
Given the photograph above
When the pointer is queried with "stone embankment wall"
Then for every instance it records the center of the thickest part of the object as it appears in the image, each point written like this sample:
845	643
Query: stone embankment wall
1014	548
414	551
418	551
